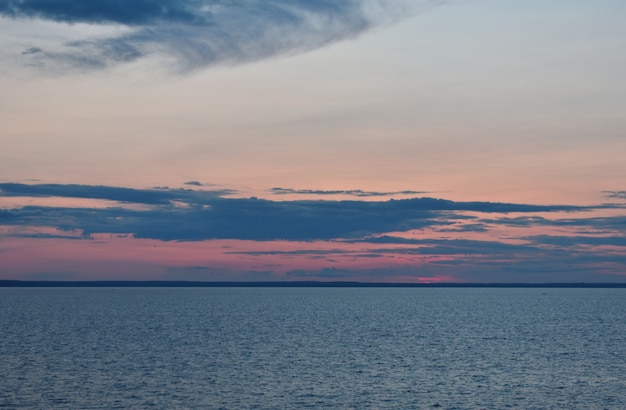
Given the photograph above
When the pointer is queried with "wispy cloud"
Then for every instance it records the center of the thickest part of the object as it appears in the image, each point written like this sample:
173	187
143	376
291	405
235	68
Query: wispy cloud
615	194
349	192
564	241
199	33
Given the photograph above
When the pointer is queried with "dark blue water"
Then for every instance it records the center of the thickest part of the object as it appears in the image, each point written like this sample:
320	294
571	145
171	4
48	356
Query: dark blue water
356	348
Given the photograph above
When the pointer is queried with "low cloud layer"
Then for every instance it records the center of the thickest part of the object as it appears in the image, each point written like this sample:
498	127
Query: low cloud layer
179	214
200	33
417	238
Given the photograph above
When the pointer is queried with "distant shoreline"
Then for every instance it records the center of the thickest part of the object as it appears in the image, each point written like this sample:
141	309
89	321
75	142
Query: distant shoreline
293	284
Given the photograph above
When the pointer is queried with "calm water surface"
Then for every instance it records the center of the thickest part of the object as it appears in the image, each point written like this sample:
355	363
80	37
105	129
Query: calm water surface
244	348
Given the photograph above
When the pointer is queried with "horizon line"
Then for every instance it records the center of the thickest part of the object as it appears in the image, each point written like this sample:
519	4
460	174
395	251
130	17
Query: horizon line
298	284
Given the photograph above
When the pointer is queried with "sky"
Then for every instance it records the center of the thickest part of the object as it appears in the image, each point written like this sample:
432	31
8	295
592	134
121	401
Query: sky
350	140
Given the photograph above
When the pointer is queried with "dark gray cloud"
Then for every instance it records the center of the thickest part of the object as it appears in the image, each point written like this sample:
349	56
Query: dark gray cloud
179	214
427	247
299	252
351	192
568	241
594	250
230	219
445	246
609	224
156	196
325	273
198	33
615	194
477	227
520	221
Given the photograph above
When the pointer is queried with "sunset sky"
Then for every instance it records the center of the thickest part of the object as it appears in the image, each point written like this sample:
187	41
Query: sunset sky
368	140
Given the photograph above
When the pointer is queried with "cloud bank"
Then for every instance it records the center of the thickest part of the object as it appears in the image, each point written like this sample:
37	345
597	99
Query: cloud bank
199	233
199	33
180	214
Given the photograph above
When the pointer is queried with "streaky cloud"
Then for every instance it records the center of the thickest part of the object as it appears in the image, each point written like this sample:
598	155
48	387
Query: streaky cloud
615	194
618	241
613	223
350	192
307	252
201	33
192	215
426	247
157	196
